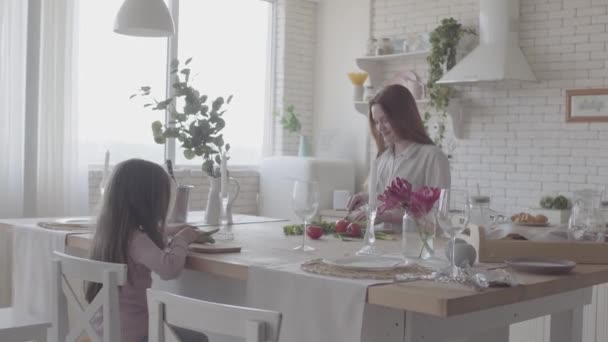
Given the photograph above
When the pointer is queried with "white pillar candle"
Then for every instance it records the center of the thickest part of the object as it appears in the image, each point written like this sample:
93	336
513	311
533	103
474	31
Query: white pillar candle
371	183
224	175
106	164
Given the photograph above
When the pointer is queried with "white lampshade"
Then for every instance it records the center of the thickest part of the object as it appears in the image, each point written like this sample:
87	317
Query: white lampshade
144	18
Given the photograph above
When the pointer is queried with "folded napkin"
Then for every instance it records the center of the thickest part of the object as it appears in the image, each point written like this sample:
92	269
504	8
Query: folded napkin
314	307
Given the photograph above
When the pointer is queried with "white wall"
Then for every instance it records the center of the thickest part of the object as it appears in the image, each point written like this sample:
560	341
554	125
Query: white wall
339	130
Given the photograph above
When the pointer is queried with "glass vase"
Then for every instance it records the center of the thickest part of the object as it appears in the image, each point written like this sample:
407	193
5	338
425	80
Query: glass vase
423	227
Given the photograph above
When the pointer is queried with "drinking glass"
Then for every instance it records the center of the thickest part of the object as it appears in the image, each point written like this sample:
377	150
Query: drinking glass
453	217
305	202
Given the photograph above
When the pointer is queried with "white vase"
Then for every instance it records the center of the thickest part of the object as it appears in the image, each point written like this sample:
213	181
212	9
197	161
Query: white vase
213	210
304	147
358	92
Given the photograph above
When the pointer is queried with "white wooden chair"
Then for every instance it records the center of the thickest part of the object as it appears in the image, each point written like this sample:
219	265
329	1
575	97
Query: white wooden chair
19	327
166	310
110	275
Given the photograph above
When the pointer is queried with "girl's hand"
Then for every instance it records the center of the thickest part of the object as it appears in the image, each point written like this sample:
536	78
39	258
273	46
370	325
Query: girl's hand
174	228
357	201
189	233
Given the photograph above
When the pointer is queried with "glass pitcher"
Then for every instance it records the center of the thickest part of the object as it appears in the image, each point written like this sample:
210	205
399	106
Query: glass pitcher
480	212
586	222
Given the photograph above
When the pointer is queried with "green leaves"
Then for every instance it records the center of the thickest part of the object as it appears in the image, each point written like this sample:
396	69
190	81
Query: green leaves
195	120
162	105
189	154
444	43
289	119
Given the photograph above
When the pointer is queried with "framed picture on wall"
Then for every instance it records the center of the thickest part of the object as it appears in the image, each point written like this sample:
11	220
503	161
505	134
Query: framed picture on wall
587	105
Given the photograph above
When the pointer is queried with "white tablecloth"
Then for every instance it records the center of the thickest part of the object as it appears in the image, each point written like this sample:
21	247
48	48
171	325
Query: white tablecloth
314	307
32	254
6	259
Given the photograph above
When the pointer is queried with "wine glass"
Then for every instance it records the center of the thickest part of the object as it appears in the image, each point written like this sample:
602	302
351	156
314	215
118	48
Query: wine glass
453	217
305	202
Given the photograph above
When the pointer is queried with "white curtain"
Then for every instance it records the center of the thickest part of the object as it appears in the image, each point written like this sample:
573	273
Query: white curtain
13	38
62	180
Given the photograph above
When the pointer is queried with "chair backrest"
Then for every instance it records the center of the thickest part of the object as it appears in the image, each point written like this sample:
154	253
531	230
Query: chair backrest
110	275
167	309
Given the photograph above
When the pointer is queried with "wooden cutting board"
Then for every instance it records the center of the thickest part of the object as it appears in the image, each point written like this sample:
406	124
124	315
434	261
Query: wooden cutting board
217	247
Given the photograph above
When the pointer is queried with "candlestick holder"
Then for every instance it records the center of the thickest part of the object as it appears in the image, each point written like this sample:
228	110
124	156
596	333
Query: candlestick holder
225	233
369	239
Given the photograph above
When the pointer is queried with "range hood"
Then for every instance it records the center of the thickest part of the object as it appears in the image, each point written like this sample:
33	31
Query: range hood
498	56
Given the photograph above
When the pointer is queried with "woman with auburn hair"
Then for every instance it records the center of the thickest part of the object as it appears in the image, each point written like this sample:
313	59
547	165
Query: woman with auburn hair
404	148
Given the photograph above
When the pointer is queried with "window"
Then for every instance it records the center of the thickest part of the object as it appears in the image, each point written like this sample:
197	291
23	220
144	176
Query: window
231	56
229	42
111	68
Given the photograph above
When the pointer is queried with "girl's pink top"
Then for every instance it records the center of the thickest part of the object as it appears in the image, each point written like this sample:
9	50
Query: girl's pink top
145	257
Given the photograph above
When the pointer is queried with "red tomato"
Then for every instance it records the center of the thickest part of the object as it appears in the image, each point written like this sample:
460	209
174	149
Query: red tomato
314	232
353	230
341	226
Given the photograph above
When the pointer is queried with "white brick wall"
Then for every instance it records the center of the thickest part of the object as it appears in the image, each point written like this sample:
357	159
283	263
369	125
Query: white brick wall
295	51
517	145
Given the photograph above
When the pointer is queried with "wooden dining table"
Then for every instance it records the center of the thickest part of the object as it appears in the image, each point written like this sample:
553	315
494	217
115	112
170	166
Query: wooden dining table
422	310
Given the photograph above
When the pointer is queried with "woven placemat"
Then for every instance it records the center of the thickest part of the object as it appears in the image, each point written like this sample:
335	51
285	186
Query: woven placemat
317	266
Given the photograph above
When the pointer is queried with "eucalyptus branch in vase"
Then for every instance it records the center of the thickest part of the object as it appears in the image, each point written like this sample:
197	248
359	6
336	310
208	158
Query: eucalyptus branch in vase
195	121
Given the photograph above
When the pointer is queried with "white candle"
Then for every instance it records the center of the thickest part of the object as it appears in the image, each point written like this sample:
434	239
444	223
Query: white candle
224	175
106	165
371	183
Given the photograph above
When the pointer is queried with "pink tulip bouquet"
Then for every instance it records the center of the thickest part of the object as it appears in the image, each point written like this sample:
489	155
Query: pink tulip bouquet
417	204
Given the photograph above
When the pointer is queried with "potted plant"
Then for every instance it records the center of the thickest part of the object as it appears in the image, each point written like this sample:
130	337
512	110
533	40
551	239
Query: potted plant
196	122
291	123
556	209
444	41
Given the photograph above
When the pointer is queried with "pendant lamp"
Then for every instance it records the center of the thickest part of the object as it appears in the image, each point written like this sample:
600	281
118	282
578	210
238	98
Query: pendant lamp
144	18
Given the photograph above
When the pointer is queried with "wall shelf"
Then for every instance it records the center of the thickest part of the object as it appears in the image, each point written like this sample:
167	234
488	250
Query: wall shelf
374	66
394	56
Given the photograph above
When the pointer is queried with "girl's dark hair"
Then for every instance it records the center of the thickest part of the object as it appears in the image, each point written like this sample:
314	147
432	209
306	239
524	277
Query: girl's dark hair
401	111
136	198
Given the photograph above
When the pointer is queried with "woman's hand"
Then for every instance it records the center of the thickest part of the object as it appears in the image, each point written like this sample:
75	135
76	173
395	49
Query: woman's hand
389	216
356	201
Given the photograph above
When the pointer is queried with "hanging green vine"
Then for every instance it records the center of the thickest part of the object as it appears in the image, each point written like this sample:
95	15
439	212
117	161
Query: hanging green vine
444	41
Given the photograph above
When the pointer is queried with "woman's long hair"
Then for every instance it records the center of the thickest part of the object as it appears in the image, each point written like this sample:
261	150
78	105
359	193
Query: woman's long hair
136	198
402	114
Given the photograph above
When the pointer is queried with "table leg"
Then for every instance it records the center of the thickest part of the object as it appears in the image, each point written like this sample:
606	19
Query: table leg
567	326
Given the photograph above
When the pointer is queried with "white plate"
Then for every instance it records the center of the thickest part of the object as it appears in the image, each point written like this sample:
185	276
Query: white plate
77	222
365	262
541	265
532	224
